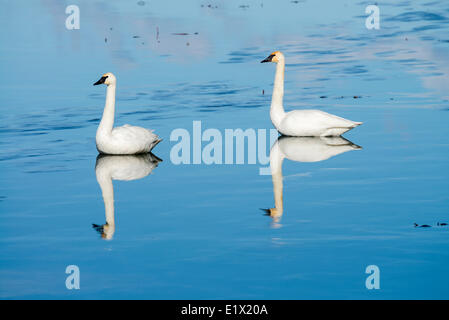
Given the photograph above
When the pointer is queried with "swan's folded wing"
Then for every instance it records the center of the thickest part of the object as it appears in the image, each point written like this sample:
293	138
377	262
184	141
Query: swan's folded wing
321	118
134	139
132	132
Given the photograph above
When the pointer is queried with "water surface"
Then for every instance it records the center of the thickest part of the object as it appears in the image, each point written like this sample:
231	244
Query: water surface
197	231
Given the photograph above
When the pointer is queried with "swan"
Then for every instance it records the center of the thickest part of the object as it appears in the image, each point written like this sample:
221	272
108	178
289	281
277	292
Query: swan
123	140
300	149
301	123
125	168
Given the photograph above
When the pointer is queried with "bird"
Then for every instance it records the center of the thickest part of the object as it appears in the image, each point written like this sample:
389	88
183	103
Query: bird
300	149
441	224
421	226
124	140
116	167
301	123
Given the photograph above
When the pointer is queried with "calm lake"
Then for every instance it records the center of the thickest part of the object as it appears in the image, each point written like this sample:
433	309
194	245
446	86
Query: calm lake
196	231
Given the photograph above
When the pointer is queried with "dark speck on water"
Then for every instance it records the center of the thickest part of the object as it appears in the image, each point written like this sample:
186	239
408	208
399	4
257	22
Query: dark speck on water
422	226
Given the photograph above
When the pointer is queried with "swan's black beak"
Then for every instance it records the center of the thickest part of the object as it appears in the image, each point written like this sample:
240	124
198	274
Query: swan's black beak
101	81
268	59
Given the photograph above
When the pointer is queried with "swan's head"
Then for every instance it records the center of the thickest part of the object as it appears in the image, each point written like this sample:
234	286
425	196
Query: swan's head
107	79
274	57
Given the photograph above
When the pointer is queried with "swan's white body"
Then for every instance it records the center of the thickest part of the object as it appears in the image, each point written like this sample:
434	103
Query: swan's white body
108	168
300	149
123	140
302	123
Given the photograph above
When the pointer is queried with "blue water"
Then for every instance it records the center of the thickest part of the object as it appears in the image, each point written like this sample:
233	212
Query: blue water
196	231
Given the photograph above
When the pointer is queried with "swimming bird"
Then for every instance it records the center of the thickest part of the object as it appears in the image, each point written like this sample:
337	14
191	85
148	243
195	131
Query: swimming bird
301	123
123	140
300	149
421	226
125	168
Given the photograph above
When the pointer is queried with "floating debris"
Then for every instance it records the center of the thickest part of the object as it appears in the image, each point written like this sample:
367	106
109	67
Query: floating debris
421	226
209	6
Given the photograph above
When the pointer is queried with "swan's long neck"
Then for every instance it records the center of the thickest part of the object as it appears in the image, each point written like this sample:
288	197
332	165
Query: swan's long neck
276	160
107	189
277	112
107	121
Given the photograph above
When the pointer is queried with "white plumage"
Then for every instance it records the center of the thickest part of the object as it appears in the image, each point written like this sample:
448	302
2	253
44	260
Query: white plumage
300	149
301	123
125	168
125	140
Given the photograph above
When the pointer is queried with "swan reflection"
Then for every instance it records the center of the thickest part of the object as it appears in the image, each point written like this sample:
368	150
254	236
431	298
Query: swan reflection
125	168
300	149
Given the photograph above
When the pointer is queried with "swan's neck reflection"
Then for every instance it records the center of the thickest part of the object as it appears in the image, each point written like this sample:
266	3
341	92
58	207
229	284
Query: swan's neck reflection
300	149
126	168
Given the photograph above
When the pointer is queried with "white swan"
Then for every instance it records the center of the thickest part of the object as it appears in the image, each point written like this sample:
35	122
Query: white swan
108	168
301	123
300	149
121	140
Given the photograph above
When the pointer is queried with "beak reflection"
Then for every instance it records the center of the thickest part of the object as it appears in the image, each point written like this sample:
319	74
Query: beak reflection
300	149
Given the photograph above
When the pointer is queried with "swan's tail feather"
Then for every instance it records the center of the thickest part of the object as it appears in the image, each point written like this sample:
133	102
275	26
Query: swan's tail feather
155	143
356	147
155	158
